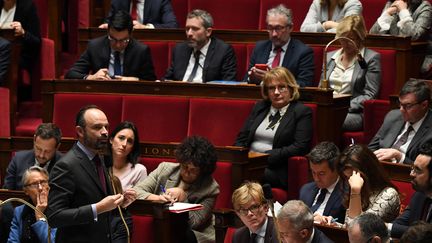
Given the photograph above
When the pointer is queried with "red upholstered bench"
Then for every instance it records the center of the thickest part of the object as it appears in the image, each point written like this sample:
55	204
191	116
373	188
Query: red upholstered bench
158	118
142	229
4	112
218	120
405	192
241	56
66	106
160	56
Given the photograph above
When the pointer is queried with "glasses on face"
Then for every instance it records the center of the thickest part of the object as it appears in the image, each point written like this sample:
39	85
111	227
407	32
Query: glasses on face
35	185
408	106
281	88
114	40
416	170
277	28
253	209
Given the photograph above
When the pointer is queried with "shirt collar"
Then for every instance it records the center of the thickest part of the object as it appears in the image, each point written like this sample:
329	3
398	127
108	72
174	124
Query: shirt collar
262	230
89	153
416	125
281	110
284	47
204	49
332	186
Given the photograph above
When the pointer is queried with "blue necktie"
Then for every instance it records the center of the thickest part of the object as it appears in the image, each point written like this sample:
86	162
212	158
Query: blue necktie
117	64
320	200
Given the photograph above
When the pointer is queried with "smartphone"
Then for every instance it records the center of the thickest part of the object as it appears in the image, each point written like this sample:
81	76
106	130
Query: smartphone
261	66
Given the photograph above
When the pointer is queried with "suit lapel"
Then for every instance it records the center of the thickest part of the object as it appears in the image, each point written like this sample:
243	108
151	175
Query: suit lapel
105	52
393	132
265	55
183	62
285	121
334	198
288	52
89	168
208	58
424	128
147	10
313	195
269	231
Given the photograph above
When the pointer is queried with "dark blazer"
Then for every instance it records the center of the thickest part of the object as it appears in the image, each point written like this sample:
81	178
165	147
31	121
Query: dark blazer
411	214
391	128
242	235
334	205
5	49
293	135
26	14
320	237
365	83
157	12
19	164
75	186
220	62
299	59
137	60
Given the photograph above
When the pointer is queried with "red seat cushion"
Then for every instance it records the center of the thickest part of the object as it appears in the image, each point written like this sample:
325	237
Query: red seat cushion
142	229
66	106
218	120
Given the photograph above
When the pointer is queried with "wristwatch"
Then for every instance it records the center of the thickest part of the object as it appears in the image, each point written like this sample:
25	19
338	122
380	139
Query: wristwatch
42	219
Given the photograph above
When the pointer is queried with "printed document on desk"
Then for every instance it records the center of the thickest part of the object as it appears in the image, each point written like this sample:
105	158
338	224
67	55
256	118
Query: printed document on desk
179	207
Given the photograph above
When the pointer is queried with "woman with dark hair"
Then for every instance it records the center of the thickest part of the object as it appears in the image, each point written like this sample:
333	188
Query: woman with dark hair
324	15
191	181
370	187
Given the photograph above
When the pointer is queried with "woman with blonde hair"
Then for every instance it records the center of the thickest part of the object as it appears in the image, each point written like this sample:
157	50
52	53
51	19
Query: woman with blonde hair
279	125
324	15
354	69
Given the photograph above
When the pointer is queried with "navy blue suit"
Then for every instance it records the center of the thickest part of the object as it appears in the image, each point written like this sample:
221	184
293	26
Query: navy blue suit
334	205
411	214
19	164
299	59
156	12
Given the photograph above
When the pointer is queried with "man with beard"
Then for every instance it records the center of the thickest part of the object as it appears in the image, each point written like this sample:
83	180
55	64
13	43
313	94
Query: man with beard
80	199
201	58
419	208
281	50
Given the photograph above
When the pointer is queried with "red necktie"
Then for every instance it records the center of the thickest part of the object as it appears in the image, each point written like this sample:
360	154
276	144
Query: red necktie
100	171
134	9
277	58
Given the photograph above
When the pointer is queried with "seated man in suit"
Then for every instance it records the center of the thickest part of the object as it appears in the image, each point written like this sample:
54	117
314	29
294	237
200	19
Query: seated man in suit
368	227
115	56
201	58
281	50
295	223
419	207
146	14
251	207
325	194
46	142
406	129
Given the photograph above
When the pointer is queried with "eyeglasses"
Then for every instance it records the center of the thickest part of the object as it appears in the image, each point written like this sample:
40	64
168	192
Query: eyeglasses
35	185
277	28
409	106
416	170
281	88
114	40
253	209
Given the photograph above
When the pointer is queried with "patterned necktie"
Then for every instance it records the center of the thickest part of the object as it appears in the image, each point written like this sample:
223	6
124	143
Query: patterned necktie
277	58
100	171
195	67
320	200
117	64
274	119
403	139
253	238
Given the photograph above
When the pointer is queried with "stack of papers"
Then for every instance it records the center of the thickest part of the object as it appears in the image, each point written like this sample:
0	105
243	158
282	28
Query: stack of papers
179	207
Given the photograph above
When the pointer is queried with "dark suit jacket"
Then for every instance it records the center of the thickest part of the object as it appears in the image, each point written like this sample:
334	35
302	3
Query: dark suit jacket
26	14
299	59
411	214
137	60
365	83
5	49
75	186
293	135
242	235
157	12
391	128
320	237
334	205
219	64
19	164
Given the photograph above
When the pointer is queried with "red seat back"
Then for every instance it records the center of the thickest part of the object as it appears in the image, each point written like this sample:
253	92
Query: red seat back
4	112
223	176
180	8
374	9
160	56
142	229
229	235
388	75
318	62
298	175
314	123
152	163
241	56
405	192
218	120
160	119
66	106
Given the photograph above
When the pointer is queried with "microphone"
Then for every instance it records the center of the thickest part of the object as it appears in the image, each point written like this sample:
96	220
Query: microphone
269	196
361	61
14	199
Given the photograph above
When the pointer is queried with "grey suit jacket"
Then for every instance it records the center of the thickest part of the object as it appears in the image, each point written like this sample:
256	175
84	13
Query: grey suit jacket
417	28
392	127
203	192
75	185
365	83
242	235
318	14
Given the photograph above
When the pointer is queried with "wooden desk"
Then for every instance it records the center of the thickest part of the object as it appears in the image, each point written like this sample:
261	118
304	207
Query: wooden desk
331	110
11	78
409	55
